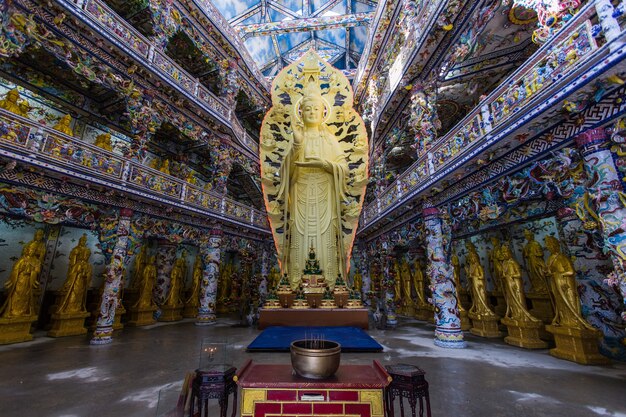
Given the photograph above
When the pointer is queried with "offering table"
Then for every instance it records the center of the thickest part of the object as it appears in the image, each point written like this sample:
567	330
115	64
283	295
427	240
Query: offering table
273	389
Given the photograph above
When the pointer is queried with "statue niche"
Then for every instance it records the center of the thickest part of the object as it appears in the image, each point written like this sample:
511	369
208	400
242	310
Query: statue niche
313	168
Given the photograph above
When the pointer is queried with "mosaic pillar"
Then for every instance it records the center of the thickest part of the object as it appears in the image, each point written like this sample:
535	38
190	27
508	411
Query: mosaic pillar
439	269
265	270
210	253
165	258
389	280
366	277
608	198
598	300
113	276
610	25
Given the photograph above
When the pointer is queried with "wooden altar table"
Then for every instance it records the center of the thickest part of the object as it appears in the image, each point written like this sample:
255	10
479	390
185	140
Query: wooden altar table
357	317
272	389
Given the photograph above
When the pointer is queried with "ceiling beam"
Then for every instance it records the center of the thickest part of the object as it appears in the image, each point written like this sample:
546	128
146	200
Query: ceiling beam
372	3
245	15
282	9
328	6
308	25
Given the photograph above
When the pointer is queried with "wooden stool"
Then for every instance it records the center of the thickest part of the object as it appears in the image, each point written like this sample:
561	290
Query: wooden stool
408	381
214	384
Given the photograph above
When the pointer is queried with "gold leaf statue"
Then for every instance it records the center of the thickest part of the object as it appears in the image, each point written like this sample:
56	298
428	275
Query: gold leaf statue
314	167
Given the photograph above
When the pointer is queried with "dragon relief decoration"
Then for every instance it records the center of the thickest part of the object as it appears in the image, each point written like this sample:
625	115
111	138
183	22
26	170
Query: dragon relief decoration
314	167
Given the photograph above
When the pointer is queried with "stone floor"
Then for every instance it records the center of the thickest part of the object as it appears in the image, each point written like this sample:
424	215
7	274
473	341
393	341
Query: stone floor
69	378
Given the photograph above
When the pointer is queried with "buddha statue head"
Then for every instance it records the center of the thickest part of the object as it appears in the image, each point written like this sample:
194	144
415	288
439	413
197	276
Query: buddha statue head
83	240
38	235
505	250
313	106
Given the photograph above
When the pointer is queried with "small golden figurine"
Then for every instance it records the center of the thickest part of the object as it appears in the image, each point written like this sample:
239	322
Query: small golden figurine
564	289
78	279
13	104
63	125
104	141
165	167
20	285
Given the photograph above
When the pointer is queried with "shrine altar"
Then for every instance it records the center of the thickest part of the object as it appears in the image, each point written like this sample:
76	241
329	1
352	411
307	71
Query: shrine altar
275	390
355	317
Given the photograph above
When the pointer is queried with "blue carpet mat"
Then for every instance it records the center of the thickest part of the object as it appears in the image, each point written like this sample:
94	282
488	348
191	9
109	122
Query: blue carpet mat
279	338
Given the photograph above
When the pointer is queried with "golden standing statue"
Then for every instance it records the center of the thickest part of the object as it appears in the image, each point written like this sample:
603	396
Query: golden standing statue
357	281
177	281
476	275
418	284
196	279
78	279
63	125
456	269
495	263
138	266
535	264
149	275
11	102
514	288
314	167
20	285
564	289
407	284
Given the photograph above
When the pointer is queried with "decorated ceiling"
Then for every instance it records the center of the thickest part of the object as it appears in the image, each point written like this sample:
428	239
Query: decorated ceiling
279	32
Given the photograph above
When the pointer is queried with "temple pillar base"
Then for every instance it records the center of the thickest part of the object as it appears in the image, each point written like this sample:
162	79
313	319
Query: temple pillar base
524	334
466	324
190	311
204	319
171	313
485	326
141	316
16	330
119	312
580	346
68	324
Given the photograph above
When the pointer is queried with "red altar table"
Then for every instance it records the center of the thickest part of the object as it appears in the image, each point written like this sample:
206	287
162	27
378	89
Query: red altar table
274	390
356	317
